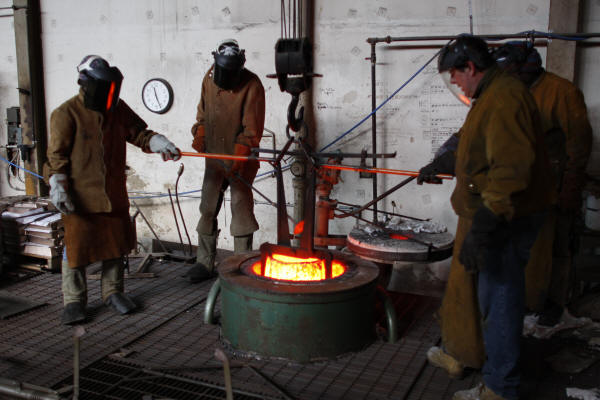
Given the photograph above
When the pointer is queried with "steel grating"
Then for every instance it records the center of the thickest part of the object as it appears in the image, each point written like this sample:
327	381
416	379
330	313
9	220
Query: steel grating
37	348
382	371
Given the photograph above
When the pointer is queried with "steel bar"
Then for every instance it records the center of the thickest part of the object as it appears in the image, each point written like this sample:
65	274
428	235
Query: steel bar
176	223
388	171
373	59
219	156
270	382
383	212
385	194
220	355
327	155
179	172
19	390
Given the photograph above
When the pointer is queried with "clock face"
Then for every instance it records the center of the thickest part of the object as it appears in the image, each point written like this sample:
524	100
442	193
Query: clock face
157	95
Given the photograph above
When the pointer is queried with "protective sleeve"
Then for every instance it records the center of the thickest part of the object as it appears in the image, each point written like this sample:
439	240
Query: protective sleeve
253	119
62	134
451	144
135	127
510	151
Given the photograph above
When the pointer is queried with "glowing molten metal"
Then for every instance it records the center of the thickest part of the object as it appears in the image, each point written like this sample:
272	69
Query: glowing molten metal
288	268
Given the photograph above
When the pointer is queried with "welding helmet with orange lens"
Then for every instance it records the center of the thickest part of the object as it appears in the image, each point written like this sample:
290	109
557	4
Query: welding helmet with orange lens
455	55
229	63
101	83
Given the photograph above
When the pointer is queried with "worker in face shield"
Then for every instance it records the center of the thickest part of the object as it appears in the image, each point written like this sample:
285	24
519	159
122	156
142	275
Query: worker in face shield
501	194
568	136
86	174
230	120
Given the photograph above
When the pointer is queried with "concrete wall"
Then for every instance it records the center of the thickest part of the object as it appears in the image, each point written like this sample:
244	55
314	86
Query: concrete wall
174	39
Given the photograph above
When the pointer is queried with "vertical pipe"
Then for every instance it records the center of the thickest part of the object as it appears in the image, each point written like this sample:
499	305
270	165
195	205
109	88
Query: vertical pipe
374	126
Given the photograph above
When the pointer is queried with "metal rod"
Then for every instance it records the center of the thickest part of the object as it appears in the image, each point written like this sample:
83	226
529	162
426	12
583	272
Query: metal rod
526	35
150	226
326	155
380	170
179	172
78	332
270	382
383	212
176	223
220	355
390	191
20	390
224	156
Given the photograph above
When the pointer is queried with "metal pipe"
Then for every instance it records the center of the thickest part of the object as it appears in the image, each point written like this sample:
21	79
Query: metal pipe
526	35
374	125
209	307
162	245
337	154
224	156
390	313
26	391
179	172
78	332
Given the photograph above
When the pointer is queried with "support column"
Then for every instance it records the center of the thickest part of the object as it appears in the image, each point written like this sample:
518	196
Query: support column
564	17
31	90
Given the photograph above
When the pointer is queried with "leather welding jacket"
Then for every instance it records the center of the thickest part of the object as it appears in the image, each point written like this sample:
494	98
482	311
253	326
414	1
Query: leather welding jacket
501	163
230	117
564	114
568	136
90	149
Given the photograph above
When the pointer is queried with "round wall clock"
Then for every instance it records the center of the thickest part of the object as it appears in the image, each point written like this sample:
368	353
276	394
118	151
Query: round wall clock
157	95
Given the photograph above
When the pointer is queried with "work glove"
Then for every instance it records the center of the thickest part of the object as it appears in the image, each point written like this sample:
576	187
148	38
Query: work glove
238	165
198	143
486	231
443	164
59	195
160	144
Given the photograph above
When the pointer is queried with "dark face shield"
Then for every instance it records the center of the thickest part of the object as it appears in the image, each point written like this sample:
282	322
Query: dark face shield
102	95
228	69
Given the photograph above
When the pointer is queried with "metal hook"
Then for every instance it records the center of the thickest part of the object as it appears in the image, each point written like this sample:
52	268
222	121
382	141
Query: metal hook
293	122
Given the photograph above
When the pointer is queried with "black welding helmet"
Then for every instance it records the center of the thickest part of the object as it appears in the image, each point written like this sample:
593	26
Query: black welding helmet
229	63
456	54
101	83
520	58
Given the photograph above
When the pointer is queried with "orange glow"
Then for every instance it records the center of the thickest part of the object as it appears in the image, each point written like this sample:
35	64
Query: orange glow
398	236
299	228
111	92
465	99
289	268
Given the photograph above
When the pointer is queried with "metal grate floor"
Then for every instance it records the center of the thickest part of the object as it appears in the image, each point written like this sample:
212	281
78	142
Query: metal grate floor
164	351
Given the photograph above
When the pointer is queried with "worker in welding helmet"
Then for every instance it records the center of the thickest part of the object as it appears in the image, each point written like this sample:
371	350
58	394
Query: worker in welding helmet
568	136
86	174
502	192
230	121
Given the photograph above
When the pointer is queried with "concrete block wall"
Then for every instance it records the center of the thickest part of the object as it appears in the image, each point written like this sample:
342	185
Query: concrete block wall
173	40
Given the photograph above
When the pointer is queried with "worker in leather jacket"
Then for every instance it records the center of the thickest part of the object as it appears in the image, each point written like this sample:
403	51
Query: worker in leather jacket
568	136
86	174
501	195
230	120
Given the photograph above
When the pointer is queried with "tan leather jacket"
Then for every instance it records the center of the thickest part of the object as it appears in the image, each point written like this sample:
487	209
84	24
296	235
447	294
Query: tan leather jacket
501	158
91	150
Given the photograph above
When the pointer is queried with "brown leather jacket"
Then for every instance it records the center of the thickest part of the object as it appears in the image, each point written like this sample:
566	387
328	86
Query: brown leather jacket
91	150
501	159
568	134
231	117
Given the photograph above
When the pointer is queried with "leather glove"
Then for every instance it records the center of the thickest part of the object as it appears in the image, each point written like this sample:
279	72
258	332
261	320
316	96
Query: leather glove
58	194
198	143
487	230
443	164
160	144
238	165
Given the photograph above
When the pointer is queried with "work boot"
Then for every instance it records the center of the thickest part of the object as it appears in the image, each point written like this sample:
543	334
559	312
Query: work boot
439	358
199	272
121	303
479	392
204	268
73	313
242	244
